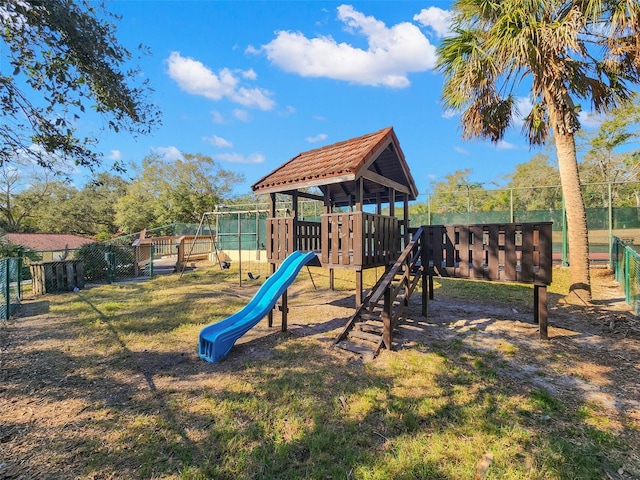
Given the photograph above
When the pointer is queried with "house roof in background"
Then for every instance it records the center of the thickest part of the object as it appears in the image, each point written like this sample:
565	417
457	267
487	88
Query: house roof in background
372	156
47	241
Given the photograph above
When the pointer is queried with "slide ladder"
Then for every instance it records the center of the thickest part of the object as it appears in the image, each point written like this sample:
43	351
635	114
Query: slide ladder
216	340
371	326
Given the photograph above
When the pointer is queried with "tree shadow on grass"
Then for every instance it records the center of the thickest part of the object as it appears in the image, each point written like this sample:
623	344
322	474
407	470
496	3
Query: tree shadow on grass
298	410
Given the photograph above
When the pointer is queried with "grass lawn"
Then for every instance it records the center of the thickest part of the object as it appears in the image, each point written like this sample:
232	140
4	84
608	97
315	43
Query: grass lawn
106	383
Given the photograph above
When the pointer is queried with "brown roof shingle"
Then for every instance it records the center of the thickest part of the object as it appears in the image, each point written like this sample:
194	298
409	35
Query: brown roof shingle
341	159
47	241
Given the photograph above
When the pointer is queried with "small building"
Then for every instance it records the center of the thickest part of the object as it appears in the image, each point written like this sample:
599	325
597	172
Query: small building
350	175
49	242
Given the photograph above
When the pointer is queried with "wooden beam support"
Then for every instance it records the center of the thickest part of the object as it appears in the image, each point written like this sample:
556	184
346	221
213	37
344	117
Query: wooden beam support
309	196
540	309
392	202
380	180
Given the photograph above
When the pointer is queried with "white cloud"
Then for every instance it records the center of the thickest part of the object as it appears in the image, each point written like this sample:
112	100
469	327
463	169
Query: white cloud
502	145
391	55
288	111
251	159
320	118
461	150
251	50
590	119
241	115
249	74
115	155
217	141
318	138
523	108
195	78
449	113
436	19
170	153
217	117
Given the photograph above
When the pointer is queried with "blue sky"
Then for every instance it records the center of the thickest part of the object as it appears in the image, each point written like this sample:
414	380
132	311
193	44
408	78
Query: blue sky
252	84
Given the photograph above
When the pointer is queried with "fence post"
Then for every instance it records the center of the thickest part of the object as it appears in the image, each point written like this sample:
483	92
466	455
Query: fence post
610	226
627	276
20	260
151	254
111	264
7	290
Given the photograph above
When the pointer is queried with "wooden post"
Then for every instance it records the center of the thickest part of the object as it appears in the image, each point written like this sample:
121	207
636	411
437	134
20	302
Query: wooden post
424	270
358	288
272	269
285	309
331	279
386	319
294	232
540	309
405	219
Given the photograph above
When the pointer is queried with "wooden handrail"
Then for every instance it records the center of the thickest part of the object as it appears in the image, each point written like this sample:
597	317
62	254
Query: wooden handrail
388	277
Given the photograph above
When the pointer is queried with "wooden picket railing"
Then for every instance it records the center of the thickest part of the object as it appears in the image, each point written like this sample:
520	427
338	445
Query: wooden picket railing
343	240
513	252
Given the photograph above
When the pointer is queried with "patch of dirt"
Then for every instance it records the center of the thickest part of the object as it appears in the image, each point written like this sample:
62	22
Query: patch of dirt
592	358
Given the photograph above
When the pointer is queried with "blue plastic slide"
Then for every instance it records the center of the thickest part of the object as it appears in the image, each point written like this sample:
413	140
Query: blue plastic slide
217	339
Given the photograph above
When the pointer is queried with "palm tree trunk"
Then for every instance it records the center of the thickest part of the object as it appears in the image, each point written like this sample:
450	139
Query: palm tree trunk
580	288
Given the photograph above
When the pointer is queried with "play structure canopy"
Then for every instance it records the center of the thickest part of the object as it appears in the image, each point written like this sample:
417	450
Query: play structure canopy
337	169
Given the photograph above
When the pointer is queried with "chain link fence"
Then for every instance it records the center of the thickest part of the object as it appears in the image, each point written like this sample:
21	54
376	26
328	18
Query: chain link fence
94	263
10	283
626	266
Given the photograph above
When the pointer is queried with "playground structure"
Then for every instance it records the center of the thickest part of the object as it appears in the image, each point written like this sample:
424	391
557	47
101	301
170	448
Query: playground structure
366	173
370	171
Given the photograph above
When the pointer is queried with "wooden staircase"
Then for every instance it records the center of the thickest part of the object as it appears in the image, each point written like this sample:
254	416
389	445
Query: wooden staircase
371	326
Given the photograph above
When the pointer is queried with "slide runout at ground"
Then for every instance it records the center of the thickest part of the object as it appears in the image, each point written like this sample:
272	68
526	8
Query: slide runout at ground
216	340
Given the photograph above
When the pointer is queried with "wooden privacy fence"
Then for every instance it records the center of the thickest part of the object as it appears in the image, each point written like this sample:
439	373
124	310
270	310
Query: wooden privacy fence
61	276
519	252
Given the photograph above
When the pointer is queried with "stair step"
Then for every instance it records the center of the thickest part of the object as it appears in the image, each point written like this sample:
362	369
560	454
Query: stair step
356	348
370	337
370	316
372	327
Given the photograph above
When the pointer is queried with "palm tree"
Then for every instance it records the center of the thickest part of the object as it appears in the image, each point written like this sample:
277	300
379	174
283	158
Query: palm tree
561	52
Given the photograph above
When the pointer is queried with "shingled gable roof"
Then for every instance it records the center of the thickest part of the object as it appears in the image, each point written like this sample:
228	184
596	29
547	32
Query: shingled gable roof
47	241
376	157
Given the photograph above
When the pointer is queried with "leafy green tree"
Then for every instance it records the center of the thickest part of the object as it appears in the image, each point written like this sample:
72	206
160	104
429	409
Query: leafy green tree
613	157
534	184
562	51
16	207
64	58
165	192
55	211
451	195
96	203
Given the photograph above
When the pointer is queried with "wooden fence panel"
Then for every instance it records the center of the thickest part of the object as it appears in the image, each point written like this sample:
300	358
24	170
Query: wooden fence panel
476	237
435	246
526	258
510	258
463	252
493	252
450	251
544	248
